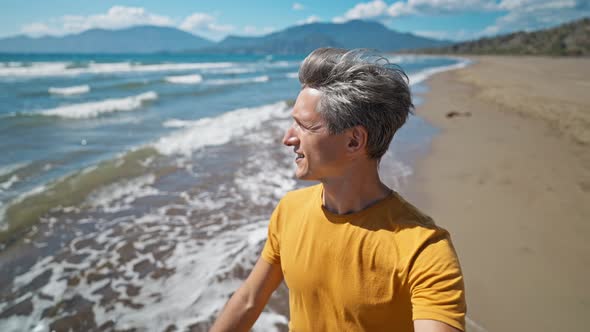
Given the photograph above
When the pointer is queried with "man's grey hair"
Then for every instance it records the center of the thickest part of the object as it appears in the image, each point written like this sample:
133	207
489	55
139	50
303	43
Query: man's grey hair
359	88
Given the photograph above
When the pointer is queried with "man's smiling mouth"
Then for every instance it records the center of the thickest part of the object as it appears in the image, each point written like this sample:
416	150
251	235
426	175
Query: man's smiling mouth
299	155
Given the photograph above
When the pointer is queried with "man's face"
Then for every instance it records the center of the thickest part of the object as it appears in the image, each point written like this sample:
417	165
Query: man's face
319	155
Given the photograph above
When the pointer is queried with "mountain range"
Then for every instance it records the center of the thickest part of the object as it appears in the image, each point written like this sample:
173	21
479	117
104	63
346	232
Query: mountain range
300	39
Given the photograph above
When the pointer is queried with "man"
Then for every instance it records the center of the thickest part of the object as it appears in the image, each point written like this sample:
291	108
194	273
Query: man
354	255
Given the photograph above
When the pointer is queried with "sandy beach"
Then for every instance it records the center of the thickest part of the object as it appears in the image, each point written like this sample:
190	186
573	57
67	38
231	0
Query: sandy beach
509	177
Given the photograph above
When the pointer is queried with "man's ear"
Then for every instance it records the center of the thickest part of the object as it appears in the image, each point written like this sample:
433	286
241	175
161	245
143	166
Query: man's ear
357	139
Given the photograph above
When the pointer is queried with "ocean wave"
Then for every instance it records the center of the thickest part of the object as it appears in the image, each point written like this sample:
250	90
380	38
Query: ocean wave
237	70
70	90
9	183
10	64
292	75
41	69
94	109
282	64
120	196
228	81
175	123
7	170
35	69
426	73
69	190
219	130
185	79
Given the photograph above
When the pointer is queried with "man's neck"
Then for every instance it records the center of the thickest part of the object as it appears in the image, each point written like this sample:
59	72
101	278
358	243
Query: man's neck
354	191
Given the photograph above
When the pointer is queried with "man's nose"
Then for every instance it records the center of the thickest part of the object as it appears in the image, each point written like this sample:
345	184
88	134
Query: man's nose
290	138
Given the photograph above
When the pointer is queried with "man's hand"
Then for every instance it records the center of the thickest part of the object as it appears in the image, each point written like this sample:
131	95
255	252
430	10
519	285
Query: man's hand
427	325
244	307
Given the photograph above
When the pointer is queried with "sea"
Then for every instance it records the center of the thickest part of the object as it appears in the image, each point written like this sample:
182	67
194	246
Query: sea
135	190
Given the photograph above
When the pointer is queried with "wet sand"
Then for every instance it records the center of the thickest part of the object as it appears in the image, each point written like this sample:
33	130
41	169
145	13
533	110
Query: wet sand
509	177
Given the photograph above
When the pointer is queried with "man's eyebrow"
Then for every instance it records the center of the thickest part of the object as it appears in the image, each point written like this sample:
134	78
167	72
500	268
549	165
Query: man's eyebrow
302	122
295	118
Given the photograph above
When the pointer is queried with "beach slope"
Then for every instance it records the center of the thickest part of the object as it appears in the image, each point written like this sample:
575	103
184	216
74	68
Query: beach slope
509	177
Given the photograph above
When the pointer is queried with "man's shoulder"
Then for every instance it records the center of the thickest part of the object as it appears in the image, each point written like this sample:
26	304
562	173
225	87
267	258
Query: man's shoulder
408	214
412	222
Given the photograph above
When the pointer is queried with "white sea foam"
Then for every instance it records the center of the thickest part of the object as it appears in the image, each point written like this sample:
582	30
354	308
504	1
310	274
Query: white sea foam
185	79
282	64
18	199
3	224
121	195
426	73
264	179
40	69
9	183
238	70
70	90
267	321
98	68
257	79
175	123
219	130
179	299
292	75
7	169
94	109
35	69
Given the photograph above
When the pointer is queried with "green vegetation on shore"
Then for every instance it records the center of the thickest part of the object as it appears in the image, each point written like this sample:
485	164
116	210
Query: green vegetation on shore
570	39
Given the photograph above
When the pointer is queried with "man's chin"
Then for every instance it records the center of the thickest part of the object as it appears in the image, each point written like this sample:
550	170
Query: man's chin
305	177
302	176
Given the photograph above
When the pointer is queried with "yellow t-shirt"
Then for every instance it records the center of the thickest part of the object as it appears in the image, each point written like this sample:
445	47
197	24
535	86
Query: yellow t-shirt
375	270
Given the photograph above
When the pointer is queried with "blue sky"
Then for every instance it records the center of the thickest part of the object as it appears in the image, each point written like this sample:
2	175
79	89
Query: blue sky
449	19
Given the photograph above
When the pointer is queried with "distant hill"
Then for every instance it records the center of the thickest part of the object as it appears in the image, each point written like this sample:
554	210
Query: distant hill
303	39
299	39
567	39
138	39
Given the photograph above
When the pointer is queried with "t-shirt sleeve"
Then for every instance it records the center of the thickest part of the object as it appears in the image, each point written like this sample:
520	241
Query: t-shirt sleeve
271	252
436	284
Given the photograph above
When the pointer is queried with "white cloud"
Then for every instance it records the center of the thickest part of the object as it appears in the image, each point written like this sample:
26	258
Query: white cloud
201	22
449	6
255	31
309	20
298	6
535	4
197	21
364	10
39	29
400	9
250	30
379	9
221	27
536	14
118	17
519	14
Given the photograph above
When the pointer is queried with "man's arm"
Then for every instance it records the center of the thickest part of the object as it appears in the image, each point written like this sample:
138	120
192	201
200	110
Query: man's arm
427	325
244	307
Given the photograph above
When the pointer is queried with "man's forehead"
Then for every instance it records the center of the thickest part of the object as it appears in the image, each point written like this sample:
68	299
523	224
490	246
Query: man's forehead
306	103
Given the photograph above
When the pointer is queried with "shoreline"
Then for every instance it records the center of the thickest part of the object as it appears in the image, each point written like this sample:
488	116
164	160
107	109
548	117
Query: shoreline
510	180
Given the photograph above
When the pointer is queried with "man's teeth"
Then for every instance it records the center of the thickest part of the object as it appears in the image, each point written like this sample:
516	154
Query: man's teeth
299	155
